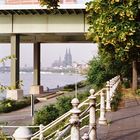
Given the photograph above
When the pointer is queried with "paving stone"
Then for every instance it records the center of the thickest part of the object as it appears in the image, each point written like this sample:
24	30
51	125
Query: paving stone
124	123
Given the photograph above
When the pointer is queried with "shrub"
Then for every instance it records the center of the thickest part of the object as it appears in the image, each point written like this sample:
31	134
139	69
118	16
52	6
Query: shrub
126	84
71	87
8	105
138	92
116	100
46	115
63	104
49	113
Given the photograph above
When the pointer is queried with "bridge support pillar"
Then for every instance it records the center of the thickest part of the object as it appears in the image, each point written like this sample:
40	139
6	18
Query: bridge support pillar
15	62
15	92
36	88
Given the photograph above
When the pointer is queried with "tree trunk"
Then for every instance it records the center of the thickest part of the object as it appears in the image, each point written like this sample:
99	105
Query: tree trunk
134	76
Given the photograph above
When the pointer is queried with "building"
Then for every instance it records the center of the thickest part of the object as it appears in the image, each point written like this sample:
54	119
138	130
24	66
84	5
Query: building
66	62
33	1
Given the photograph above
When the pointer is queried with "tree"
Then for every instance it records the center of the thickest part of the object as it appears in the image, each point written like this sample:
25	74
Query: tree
114	24
50	3
104	67
3	87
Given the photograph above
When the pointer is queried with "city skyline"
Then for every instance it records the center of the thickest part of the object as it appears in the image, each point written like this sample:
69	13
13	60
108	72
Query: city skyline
82	52
66	61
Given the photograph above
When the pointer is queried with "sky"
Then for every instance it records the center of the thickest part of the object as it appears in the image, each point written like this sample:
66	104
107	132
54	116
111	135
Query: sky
81	52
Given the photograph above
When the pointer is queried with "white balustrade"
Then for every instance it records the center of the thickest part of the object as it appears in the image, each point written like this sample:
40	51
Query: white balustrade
92	115
108	106
24	133
41	133
85	136
102	119
74	120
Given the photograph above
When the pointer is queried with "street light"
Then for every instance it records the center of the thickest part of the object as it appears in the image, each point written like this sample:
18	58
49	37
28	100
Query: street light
76	89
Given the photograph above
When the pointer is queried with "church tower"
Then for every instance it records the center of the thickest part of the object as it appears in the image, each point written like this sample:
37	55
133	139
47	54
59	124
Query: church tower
69	58
66	59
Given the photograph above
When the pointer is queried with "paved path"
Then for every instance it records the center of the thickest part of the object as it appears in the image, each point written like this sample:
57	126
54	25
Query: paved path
23	117
124	123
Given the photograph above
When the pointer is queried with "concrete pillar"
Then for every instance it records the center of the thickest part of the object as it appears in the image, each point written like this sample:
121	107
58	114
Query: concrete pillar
36	80
102	119
74	120
15	93
108	106
36	88
15	63
92	116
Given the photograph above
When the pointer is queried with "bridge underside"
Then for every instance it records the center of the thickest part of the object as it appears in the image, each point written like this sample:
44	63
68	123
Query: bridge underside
34	24
47	38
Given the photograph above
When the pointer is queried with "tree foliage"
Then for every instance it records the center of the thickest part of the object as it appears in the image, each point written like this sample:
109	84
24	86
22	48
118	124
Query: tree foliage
115	25
104	67
50	3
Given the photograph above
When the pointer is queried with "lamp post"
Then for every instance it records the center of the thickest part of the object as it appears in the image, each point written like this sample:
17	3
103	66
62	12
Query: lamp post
76	89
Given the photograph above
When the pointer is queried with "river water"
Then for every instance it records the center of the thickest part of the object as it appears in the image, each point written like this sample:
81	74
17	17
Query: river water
50	80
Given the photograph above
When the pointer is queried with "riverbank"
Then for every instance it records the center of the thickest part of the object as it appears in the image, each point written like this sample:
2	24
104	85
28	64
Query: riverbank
48	81
23	116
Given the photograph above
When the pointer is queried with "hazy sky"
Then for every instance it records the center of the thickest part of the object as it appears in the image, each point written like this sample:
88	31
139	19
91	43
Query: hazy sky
81	52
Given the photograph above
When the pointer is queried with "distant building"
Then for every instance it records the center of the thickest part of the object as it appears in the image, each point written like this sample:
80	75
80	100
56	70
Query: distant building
33	1
66	62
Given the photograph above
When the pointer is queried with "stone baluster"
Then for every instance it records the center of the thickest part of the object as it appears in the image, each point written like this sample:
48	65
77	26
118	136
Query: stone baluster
22	133
92	115
41	134
108	106
102	119
111	90
85	137
74	120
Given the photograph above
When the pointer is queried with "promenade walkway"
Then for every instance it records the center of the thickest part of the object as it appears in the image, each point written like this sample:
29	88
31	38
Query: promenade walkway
23	117
123	124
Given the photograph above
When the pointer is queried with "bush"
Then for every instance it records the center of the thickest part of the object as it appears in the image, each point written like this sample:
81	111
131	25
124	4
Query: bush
49	113
116	100
46	115
138	92
126	84
71	87
63	104
8	105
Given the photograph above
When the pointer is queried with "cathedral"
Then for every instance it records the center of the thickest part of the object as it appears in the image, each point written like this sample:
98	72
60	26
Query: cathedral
66	62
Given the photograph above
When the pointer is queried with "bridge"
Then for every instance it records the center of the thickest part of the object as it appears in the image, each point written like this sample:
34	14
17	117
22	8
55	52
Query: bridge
25	21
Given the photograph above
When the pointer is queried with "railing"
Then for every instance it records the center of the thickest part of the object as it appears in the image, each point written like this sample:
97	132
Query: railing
76	116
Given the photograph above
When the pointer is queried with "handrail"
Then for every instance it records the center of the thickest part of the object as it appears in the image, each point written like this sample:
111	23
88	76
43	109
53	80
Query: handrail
53	123
113	85
58	120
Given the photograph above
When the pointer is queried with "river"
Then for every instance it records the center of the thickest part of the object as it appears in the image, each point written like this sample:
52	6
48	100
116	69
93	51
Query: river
50	80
